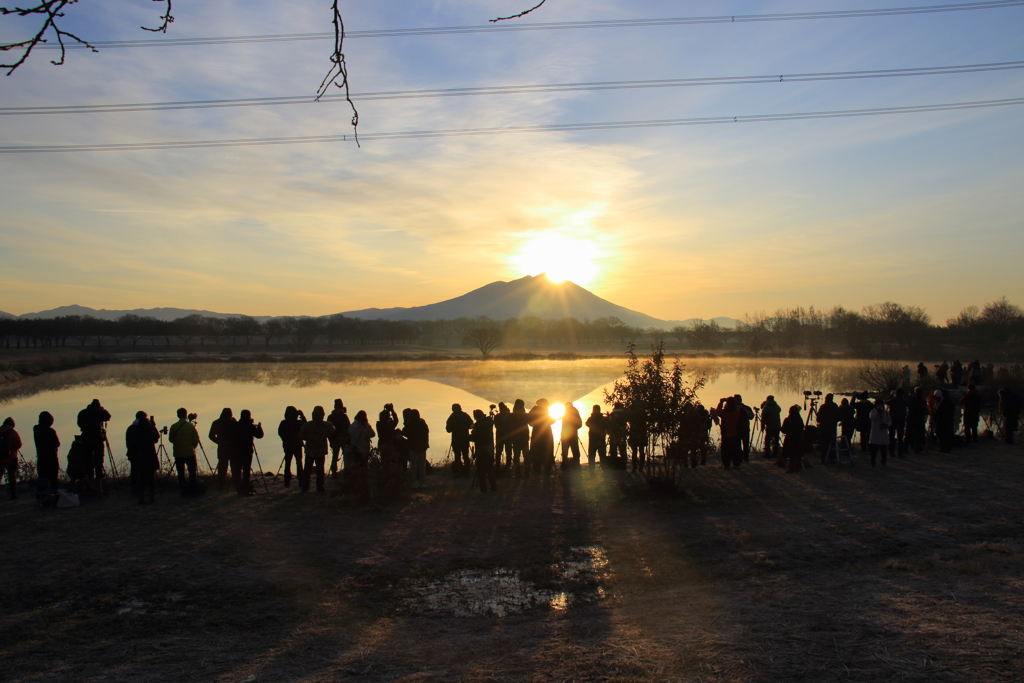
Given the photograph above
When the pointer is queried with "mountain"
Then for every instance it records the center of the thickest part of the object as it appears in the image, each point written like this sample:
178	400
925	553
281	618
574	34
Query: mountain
7	315
530	295
105	314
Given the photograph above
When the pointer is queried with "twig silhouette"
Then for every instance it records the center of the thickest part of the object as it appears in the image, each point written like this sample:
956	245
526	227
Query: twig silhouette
521	14
338	74
168	19
51	10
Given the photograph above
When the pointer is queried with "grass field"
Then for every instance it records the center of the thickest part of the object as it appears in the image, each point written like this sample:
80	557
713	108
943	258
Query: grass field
914	572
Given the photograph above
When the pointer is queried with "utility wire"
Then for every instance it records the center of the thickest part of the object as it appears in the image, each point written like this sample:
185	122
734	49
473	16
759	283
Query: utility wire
461	132
517	89
554	26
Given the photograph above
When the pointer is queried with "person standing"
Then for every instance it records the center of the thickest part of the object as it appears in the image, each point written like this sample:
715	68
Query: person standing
291	443
971	404
828	421
945	422
542	442
771	419
502	437
224	433
879	437
10	444
570	439
360	437
47	443
729	416
847	422
483	443
91	421
1009	408
793	445
597	426
245	446
922	372
141	438
418	434
638	436
339	439
315	434
458	425
897	430
743	426
863	408
618	427
184	441
917	416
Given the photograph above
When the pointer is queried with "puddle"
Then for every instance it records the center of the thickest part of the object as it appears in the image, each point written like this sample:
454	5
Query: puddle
501	592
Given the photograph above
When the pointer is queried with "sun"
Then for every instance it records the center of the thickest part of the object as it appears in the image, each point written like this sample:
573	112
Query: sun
556	411
560	256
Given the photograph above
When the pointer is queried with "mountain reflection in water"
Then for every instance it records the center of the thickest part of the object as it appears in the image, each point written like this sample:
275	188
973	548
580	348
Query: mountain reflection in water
266	388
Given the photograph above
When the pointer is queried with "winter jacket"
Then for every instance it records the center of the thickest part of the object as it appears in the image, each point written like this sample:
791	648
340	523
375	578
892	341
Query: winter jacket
483	435
571	423
458	425
341	424
771	415
418	434
10	436
880	422
141	438
184	439
315	434
288	430
360	435
91	419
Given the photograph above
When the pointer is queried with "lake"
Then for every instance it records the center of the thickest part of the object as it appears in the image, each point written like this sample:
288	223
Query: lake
432	387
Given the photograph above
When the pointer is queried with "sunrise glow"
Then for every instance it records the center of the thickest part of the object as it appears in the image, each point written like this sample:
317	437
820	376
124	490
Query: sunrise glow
559	256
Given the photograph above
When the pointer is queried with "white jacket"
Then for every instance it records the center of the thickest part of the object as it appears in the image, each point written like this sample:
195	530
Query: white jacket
880	422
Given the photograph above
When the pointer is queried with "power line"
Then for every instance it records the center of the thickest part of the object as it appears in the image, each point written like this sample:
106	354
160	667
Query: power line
553	26
558	127
518	89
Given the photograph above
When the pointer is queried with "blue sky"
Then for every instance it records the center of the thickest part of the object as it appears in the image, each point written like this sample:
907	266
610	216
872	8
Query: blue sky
677	222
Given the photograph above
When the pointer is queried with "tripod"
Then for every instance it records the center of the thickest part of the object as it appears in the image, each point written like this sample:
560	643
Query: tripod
113	466
162	451
758	441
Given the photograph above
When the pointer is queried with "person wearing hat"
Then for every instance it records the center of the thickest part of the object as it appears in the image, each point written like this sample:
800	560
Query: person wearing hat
10	444
184	440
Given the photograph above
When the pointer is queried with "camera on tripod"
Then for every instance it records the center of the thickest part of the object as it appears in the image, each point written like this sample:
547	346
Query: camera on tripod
193	418
164	430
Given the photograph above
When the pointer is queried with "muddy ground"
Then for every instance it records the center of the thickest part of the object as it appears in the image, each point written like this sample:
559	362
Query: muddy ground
910	573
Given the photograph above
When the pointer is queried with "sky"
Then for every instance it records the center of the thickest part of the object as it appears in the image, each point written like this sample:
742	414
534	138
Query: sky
677	221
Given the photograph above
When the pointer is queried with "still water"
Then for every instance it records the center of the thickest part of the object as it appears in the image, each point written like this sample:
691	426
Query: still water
432	387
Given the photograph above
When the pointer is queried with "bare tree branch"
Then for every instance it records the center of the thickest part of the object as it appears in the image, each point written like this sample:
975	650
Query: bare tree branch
51	10
338	75
521	14
168	19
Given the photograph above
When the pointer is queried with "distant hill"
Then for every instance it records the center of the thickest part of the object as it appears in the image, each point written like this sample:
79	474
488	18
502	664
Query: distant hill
530	295
7	315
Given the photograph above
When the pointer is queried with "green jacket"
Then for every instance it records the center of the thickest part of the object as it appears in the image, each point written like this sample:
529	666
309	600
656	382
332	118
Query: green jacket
771	415
184	439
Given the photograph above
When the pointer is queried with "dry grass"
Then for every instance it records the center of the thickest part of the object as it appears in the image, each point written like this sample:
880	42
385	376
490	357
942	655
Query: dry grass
854	575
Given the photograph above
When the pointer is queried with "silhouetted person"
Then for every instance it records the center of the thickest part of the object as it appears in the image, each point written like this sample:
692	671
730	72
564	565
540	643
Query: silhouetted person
956	373
10	444
314	435
542	442
483	442
897	406
458	425
922	372
906	375
224	433
387	422
360	435
618	429
879	437
942	373
91	421
241	459
771	420
291	443
863	408
418	435
184	440
597	426
570	439
945	422
1009	408
339	440
743	426
638	436
502	434
47	444
917	416
970	402
847	421
793	445
828	421
520	436
728	419
141	438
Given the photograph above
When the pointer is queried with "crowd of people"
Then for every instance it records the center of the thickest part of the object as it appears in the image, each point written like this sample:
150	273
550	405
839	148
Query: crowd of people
506	441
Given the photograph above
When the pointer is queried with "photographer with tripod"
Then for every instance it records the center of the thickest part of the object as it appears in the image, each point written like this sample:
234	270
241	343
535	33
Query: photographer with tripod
241	458
184	440
91	421
141	438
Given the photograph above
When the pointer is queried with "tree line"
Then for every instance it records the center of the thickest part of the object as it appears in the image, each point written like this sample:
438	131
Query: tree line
879	329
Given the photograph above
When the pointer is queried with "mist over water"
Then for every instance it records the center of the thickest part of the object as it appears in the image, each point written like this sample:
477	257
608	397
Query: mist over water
432	387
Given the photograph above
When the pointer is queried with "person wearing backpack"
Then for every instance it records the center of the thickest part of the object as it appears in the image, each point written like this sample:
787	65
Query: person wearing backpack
47	443
10	444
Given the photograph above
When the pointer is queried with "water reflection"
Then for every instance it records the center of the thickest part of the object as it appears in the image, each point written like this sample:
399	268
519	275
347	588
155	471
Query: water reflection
266	388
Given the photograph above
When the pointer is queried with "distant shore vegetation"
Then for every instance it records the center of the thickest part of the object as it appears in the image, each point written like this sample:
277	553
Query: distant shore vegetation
887	330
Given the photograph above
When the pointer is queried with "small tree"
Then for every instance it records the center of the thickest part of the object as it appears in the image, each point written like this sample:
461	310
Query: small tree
486	337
